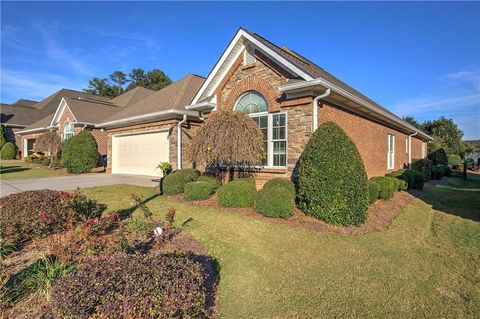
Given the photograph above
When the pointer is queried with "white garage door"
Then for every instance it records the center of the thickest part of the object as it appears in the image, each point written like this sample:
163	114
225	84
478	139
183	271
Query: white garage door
139	154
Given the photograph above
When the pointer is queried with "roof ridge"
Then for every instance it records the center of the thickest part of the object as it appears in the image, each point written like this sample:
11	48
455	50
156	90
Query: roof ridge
183	88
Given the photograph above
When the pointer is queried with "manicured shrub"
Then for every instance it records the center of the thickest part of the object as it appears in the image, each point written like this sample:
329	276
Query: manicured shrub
8	151
332	182
80	153
437	173
418	179
445	170
373	190
394	182
423	166
237	193
38	213
132	286
175	183
438	157
210	179
406	179
282	183
199	190
3	138
387	187
454	160
275	201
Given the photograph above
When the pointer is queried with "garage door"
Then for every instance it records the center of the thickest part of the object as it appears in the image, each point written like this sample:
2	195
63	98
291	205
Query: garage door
139	154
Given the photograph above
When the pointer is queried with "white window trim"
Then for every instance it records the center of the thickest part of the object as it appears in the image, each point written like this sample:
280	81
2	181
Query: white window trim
64	133
270	137
406	145
390	152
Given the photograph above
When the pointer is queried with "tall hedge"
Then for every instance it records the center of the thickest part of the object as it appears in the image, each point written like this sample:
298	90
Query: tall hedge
438	157
80	153
3	138
332	182
424	166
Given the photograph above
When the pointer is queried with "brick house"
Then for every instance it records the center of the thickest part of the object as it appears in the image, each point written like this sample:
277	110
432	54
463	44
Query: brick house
287	95
67	112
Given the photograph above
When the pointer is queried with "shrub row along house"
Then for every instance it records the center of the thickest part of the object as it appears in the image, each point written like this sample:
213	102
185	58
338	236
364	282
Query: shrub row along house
287	96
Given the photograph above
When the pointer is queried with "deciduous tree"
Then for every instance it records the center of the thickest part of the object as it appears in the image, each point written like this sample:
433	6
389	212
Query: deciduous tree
49	143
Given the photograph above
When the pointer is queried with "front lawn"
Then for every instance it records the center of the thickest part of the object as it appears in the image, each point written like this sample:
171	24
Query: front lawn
13	169
424	265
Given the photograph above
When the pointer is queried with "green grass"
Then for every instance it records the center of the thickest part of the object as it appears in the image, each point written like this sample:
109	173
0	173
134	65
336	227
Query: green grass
14	169
424	265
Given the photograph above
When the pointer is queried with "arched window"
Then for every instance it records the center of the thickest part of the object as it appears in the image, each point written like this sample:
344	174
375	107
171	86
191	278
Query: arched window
251	102
68	131
272	125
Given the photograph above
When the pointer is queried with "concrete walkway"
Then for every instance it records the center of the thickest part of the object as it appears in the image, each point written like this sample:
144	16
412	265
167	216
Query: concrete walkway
72	182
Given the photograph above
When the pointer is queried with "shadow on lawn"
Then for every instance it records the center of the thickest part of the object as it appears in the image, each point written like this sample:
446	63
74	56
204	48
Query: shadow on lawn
13	169
127	212
456	197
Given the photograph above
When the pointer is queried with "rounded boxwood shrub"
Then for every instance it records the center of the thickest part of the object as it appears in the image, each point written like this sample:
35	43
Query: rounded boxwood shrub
418	179
199	190
210	179
437	173
438	157
237	193
275	201
424	166
282	183
174	183
80	153
332	182
405	180
387	188
394	182
373	190
132	286
8	151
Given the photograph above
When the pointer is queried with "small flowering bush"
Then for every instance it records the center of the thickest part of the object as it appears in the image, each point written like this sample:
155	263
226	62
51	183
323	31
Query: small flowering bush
35	214
132	286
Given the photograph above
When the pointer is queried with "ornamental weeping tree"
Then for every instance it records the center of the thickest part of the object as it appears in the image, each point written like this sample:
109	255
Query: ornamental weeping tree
49	143
227	138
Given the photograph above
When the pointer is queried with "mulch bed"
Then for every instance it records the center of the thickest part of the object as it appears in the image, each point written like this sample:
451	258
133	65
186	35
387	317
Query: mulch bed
380	215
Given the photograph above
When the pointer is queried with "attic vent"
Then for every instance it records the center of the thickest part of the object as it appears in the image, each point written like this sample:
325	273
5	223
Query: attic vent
249	55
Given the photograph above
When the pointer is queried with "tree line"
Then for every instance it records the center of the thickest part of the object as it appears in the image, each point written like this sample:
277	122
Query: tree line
119	82
446	135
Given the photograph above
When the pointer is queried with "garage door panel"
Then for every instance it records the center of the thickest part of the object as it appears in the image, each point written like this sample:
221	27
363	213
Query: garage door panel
139	154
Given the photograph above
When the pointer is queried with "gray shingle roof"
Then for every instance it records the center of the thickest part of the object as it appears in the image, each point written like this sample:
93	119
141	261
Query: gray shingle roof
132	96
174	96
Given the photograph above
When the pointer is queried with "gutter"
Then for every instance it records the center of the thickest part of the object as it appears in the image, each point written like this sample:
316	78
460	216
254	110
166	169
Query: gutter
315	108
410	149
149	116
201	105
14	125
38	129
327	84
179	141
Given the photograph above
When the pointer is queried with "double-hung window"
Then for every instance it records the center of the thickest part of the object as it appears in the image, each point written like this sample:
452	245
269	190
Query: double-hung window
390	151
273	127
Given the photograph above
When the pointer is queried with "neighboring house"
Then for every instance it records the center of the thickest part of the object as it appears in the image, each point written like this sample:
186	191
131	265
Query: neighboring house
17	116
287	95
68	112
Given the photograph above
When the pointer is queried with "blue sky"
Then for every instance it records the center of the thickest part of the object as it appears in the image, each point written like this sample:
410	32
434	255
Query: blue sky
420	59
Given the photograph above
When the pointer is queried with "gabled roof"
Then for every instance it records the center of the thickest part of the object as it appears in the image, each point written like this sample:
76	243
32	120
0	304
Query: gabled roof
91	111
132	96
24	102
174	96
19	115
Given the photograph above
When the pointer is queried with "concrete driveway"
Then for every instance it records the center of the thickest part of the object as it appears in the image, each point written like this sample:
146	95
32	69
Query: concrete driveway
71	182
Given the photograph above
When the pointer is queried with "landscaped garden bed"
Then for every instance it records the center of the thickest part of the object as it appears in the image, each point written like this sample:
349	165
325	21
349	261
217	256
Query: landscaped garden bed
66	259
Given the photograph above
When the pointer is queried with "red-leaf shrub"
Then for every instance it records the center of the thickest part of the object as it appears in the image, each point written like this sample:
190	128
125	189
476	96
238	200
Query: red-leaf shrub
132	286
38	213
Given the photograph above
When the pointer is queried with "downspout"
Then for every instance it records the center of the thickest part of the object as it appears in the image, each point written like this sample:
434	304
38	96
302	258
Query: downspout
315	108
179	141
410	149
